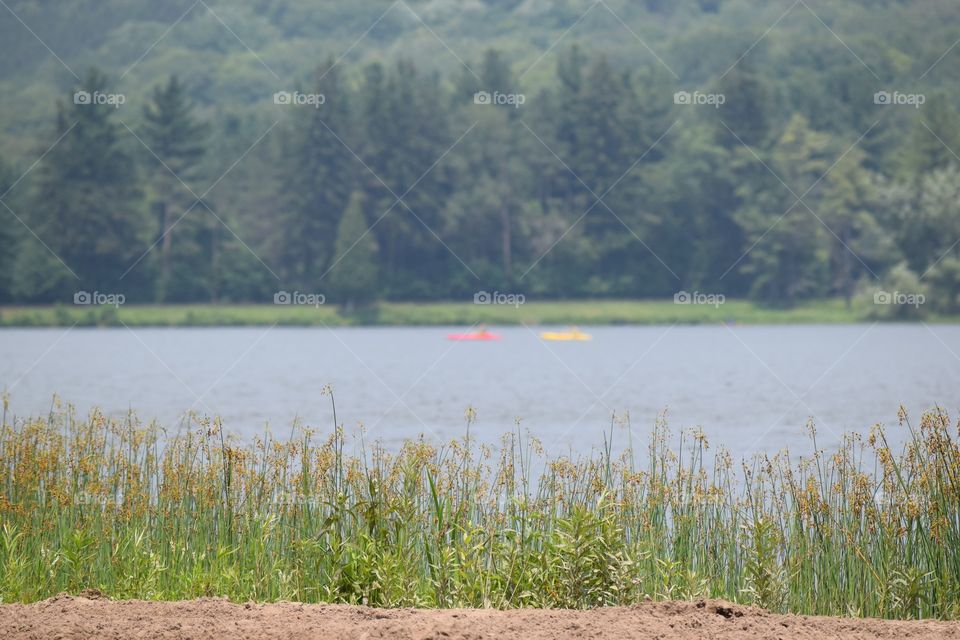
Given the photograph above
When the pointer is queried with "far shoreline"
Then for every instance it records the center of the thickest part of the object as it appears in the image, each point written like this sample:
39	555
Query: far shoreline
412	314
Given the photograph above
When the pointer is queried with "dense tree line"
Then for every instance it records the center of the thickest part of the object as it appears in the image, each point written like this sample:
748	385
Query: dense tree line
402	184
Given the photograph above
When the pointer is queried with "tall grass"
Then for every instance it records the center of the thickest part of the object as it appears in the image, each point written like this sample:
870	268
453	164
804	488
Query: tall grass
141	513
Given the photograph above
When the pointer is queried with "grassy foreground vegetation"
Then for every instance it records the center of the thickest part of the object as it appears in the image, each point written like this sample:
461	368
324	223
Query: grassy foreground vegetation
585	312
141	513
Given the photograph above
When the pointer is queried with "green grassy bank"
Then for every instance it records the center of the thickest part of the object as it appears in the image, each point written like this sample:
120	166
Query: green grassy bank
600	312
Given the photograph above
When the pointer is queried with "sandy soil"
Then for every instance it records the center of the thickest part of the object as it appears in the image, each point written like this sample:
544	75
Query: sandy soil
94	617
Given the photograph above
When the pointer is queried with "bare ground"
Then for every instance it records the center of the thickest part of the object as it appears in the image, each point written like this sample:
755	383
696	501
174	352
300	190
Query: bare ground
96	617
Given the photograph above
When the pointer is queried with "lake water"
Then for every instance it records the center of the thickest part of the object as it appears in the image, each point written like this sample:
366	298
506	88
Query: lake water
750	388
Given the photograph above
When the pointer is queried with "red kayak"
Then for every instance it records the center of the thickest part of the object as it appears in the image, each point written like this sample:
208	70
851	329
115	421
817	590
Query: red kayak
476	335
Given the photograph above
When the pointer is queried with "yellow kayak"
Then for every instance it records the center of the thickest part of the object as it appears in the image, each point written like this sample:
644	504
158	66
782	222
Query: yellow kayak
566	336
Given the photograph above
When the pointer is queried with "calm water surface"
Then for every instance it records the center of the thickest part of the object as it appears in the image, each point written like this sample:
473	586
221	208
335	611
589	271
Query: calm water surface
750	388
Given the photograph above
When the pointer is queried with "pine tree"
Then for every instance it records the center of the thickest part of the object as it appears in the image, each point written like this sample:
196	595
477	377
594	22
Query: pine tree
745	113
88	205
353	277
318	175
414	137
9	235
175	140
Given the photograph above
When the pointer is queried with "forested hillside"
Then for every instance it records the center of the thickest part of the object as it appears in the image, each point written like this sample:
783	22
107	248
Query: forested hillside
429	150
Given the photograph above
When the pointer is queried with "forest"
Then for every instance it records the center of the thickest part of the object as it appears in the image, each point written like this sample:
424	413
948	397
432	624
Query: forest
562	150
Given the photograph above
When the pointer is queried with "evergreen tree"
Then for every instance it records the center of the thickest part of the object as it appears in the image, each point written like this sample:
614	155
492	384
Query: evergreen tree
353	276
317	178
415	161
9	234
696	196
88	205
176	143
616	229
745	113
495	73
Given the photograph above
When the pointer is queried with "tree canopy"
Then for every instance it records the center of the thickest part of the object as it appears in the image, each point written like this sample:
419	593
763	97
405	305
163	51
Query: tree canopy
562	149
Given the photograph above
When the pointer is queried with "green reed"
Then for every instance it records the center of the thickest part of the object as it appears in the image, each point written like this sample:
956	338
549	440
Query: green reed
137	512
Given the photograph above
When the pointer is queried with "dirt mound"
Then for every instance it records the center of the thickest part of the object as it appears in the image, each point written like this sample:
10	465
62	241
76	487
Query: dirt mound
96	617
